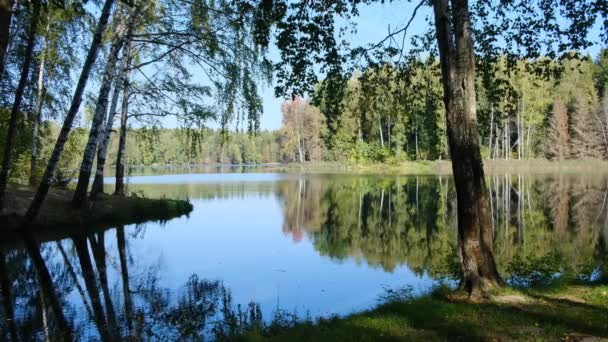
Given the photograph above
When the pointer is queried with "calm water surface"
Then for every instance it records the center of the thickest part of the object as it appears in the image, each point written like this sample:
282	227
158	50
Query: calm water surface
315	245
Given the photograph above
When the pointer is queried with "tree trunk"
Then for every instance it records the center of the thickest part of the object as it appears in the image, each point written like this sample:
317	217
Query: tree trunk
6	14
491	129
102	150
388	128
122	142
416	136
457	58
518	119
51	166
380	128
12	126
101	109
37	115
298	137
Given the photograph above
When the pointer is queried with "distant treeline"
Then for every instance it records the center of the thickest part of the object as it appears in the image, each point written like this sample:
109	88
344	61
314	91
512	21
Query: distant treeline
526	109
542	109
383	116
151	146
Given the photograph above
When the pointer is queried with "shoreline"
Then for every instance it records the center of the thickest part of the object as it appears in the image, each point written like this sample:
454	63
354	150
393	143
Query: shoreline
555	312
422	167
58	218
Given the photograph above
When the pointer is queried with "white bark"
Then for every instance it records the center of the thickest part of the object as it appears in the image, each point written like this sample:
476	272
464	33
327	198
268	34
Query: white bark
101	108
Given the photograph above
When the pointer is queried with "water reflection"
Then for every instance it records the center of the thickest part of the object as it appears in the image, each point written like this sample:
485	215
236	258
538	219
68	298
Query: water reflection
134	308
388	222
347	237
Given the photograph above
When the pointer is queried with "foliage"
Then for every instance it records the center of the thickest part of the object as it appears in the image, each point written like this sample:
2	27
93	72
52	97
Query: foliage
300	135
535	271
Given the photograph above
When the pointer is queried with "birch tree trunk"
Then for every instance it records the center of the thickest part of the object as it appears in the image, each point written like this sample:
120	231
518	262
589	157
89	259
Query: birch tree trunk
457	59
101	108
49	172
37	116
102	150
298	137
491	129
119	187
380	128
416	136
12	126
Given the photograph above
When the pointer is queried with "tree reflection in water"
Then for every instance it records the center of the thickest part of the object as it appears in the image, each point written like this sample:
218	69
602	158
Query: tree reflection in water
388	222
147	311
558	221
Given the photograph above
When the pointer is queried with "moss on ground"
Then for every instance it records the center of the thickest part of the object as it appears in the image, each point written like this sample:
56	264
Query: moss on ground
571	313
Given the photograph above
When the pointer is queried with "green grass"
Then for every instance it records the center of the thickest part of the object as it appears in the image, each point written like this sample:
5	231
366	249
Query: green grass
58	217
559	313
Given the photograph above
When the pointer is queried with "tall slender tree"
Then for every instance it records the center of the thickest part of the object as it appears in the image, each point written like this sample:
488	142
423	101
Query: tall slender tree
101	107
102	150
119	187
49	172
37	115
25	73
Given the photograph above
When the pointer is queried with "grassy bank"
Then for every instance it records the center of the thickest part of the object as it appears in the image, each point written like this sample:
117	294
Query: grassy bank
444	167
57	214
572	313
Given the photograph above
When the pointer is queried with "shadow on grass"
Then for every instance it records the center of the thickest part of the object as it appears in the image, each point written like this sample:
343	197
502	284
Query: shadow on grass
430	318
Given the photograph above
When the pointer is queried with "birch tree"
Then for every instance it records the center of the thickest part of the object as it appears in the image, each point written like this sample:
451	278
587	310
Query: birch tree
49	172
25	73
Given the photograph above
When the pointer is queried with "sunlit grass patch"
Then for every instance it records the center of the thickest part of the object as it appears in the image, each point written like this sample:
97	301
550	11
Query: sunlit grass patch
550	313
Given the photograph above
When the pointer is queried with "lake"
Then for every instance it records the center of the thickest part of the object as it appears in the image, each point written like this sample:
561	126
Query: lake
261	245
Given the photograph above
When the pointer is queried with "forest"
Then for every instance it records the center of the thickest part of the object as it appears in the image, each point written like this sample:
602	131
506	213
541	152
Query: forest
537	118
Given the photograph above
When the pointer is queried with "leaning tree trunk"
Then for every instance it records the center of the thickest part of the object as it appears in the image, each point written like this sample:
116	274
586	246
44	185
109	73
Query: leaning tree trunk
12	126
454	38
102	150
49	172
6	14
101	108
37	116
119	188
